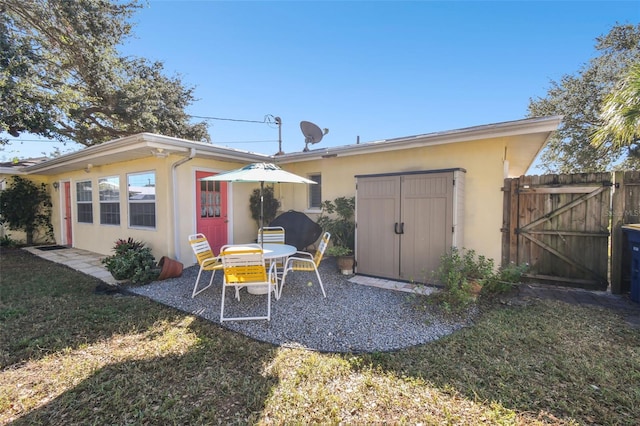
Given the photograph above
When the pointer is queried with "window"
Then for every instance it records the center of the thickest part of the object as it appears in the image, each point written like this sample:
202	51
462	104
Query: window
142	199
315	192
109	200
84	201
210	205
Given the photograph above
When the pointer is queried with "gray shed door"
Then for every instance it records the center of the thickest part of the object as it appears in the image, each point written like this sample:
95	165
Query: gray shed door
404	224
377	210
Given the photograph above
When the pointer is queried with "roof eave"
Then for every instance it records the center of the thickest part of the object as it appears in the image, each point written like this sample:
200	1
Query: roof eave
137	146
11	171
488	131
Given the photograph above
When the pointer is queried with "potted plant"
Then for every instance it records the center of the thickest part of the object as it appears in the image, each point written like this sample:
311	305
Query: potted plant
132	261
337	218
270	205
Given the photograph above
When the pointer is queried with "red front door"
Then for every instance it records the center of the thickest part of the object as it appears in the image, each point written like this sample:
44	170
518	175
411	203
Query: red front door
211	199
67	214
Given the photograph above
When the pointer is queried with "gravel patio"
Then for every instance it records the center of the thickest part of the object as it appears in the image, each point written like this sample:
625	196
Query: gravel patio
352	318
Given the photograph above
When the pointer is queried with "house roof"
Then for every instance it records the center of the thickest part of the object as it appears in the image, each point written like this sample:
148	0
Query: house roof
141	145
16	167
523	141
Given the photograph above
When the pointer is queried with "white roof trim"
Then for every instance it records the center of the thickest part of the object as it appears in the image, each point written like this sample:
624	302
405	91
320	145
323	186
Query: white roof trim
143	144
139	146
488	131
11	171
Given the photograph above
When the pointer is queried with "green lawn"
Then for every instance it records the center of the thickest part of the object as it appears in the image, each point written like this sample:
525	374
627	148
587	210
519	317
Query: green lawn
69	356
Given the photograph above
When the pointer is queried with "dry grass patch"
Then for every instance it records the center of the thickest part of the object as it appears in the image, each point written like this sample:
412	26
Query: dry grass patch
323	388
71	357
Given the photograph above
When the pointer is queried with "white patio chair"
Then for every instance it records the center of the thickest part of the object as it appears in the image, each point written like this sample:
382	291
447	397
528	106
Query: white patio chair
272	234
306	262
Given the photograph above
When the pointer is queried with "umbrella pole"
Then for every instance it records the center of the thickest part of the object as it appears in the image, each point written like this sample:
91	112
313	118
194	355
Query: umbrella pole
261	215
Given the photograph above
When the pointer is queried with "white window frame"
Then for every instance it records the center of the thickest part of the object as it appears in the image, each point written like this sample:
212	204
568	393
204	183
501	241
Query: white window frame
114	180
144	199
80	201
316	177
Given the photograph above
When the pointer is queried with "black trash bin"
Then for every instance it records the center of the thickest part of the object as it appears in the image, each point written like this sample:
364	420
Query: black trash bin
633	235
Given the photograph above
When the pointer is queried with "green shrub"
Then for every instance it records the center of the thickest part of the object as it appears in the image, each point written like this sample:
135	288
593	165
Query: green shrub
337	218
461	273
505	279
132	261
476	268
122	246
338	251
26	206
7	241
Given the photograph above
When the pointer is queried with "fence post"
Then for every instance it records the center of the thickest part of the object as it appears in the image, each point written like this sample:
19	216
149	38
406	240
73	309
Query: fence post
506	226
617	216
514	211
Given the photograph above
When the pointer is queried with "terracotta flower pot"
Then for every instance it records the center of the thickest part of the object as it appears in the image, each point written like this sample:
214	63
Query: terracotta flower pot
475	289
169	268
345	264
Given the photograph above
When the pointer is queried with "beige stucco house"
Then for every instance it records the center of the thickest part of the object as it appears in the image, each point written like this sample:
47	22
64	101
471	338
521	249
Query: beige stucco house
165	201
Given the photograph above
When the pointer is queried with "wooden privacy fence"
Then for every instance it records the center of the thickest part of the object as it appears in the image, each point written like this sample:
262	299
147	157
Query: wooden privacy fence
560	225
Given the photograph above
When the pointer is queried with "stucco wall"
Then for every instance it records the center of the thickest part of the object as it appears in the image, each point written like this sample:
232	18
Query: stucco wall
483	161
173	222
100	238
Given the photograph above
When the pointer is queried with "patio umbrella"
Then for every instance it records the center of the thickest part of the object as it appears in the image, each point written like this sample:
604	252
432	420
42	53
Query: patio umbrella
259	172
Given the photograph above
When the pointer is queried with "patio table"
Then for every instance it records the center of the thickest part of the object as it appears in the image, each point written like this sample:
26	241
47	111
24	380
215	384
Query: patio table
271	253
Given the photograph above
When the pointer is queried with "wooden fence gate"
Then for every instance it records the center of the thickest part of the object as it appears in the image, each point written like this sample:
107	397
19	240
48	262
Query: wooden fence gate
560	225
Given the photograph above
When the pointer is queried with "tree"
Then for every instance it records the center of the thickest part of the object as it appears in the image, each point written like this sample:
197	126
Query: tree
61	76
26	206
579	99
621	115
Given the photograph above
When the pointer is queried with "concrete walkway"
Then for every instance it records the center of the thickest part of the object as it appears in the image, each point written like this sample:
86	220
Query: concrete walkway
84	261
629	309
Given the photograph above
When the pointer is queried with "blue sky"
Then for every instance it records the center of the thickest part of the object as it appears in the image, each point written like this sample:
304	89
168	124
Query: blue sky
368	69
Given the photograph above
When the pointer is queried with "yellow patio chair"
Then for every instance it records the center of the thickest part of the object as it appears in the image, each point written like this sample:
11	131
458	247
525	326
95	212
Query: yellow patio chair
306	262
206	259
244	266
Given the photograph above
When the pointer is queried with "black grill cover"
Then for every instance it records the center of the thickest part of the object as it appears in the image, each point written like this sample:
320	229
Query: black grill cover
299	230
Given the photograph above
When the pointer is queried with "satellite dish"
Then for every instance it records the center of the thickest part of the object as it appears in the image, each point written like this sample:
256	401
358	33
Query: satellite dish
312	133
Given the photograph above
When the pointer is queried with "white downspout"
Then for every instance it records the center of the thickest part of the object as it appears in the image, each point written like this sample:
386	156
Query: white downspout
174	181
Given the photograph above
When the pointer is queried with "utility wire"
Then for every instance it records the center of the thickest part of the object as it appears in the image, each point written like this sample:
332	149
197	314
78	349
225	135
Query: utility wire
264	141
40	140
268	119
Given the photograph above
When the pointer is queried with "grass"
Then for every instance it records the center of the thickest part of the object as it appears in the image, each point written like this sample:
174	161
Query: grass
69	356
